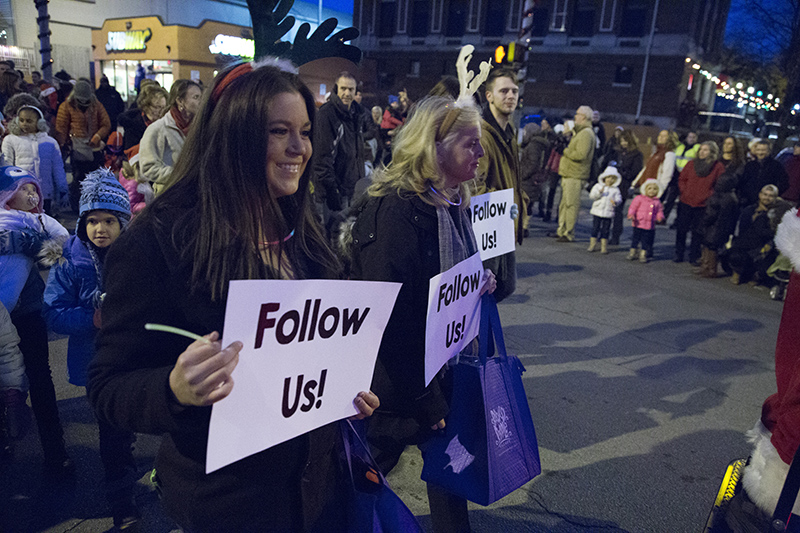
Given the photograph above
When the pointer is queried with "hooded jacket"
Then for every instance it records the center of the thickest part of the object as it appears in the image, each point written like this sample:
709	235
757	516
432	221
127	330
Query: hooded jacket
605	198
39	154
645	211
338	160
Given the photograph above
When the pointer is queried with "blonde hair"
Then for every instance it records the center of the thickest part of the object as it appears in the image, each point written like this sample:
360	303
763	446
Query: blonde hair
414	168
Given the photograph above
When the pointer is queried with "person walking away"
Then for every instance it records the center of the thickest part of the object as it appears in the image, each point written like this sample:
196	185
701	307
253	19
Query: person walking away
719	223
111	100
696	185
645	212
574	169
30	147
792	167
763	170
339	144
27	237
151	105
535	152
499	168
72	300
163	140
607	197
414	226
630	162
81	126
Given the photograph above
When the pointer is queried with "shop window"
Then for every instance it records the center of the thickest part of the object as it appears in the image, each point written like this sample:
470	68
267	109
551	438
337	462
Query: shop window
623	76
540	19
583	19
634	19
420	18
123	74
493	21
388	19
456	18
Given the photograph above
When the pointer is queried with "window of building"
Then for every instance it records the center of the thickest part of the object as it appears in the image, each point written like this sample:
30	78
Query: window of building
514	14
494	20
573	76
388	19
540	20
623	76
420	18
607	15
583	19
474	15
634	18
436	16
402	15
456	18
122	75
414	71
559	15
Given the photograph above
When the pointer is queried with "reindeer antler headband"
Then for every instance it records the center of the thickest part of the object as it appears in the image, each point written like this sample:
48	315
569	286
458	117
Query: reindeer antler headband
468	84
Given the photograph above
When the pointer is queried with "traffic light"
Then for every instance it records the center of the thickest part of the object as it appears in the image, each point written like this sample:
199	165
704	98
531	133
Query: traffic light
505	54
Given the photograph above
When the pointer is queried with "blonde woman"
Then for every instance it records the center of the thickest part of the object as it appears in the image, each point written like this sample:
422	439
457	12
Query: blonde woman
413	227
661	165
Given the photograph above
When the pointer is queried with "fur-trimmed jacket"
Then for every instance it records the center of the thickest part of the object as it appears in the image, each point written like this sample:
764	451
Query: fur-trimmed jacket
605	198
39	154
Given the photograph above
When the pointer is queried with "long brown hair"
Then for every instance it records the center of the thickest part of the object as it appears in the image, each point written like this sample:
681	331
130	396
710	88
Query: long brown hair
223	166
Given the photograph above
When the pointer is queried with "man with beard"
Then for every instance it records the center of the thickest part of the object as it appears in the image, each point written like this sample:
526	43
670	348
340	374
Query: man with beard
338	148
499	168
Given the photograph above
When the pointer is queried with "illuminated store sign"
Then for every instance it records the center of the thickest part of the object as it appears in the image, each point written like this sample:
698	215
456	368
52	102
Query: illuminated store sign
230	45
127	41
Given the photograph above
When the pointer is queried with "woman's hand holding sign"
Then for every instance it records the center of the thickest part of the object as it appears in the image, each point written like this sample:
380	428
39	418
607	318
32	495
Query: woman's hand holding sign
202	374
489	282
366	403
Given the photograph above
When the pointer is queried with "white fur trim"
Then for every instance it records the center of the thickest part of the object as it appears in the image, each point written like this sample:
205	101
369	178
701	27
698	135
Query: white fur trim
787	238
765	474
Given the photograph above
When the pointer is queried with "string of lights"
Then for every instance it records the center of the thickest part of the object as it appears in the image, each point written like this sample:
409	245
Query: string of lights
743	96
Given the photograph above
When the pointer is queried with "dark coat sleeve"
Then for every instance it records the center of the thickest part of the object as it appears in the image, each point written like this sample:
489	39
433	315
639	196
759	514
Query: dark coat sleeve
326	129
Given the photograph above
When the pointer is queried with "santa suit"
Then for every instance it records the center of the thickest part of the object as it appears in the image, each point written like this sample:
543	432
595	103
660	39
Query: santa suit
777	435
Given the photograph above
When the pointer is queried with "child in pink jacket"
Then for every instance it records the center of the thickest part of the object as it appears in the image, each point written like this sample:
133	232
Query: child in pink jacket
645	211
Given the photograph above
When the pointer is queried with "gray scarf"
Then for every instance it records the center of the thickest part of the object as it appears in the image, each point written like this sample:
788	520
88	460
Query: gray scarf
702	167
456	240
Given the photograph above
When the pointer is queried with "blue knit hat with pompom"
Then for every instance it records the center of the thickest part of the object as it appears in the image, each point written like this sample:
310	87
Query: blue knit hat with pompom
102	190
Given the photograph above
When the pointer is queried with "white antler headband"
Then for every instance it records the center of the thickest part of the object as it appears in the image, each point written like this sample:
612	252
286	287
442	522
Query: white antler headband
467	79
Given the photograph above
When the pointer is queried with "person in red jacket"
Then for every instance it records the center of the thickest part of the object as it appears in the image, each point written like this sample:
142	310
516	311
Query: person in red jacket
696	184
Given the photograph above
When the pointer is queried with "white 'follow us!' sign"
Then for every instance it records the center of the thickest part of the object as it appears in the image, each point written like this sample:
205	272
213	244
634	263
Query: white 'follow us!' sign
492	223
309	347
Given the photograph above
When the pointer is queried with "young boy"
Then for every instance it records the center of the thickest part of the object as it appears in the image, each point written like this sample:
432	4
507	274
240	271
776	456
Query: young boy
28	237
72	307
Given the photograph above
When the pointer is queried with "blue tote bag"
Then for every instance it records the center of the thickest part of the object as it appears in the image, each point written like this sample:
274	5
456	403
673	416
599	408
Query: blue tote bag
488	448
374	507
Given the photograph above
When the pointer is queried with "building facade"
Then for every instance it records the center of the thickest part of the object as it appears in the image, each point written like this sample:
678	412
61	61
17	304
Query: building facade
577	52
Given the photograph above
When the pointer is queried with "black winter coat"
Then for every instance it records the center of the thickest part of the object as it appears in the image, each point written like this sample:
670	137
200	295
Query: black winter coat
112	102
338	161
282	488
721	214
133	122
755	175
397	239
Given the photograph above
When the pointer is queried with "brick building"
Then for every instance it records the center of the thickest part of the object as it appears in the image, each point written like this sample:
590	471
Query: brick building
578	51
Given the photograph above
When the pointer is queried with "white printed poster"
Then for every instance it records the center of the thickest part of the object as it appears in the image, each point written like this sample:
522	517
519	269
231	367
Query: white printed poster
454	313
492	223
309	347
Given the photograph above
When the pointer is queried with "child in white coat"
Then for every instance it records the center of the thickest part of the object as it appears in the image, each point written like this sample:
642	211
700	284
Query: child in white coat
606	196
30	148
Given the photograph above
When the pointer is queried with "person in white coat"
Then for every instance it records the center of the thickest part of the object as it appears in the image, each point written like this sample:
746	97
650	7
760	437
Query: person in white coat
607	197
163	140
29	147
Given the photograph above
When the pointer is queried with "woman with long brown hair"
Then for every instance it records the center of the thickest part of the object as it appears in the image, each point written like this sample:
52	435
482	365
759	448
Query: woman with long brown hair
629	164
236	207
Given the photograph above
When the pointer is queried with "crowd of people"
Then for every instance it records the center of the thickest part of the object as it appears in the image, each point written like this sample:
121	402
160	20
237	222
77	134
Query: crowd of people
384	198
729	198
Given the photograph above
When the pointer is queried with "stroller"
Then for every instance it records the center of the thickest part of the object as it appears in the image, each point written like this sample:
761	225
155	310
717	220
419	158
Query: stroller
782	519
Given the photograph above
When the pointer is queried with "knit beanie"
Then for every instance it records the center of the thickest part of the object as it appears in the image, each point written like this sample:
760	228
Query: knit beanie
101	190
11	179
82	93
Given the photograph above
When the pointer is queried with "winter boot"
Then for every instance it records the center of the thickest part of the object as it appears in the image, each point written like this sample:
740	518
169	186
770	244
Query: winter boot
643	256
632	254
592	244
603	246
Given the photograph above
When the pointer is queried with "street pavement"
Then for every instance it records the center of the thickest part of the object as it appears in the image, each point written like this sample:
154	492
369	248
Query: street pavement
641	379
